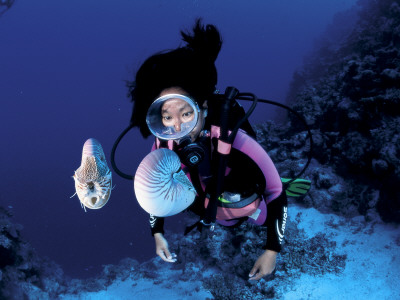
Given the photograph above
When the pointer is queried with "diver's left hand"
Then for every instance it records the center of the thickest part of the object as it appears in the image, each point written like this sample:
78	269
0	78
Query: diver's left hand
264	265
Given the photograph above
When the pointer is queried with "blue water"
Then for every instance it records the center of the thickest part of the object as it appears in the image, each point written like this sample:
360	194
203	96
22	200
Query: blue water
63	67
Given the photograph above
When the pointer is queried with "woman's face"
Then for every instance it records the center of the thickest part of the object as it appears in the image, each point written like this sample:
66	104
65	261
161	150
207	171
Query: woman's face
175	112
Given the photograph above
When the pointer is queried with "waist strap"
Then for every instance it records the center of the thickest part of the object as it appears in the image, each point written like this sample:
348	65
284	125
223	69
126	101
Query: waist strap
238	204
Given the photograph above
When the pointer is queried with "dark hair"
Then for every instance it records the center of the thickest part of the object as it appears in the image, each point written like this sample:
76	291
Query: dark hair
190	67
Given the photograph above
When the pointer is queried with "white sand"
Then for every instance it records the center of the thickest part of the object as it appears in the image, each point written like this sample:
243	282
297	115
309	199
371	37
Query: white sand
373	259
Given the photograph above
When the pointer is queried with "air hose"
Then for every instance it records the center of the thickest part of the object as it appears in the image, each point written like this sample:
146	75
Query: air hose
244	96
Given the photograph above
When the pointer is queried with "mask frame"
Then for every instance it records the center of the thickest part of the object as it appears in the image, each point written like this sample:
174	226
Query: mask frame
158	129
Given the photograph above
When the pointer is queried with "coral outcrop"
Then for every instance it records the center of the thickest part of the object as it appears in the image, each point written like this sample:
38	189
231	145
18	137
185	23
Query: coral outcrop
349	93
23	274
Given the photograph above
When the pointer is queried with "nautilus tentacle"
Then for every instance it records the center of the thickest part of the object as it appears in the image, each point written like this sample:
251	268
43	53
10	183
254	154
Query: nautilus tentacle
93	178
161	187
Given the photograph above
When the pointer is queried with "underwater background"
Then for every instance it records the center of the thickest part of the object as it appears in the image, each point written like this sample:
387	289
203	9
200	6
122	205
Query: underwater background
63	73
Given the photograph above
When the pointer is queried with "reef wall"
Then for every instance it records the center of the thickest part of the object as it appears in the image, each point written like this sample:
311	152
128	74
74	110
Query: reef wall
23	274
349	93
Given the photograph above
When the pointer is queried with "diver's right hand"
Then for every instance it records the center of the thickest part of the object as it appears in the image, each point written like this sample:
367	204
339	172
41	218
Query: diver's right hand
162	248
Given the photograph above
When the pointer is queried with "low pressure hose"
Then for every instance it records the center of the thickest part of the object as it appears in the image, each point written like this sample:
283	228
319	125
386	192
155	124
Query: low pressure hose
309	135
114	148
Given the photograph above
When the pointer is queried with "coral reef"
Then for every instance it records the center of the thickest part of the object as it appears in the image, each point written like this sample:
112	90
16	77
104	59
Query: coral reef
219	264
330	191
22	272
349	93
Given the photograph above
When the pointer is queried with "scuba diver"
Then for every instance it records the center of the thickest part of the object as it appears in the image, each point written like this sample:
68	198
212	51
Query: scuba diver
175	99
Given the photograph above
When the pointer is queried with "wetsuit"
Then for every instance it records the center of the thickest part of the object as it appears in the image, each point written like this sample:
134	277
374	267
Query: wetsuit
249	171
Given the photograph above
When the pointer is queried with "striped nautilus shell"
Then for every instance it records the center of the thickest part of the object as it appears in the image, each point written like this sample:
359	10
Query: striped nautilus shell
161	187
93	177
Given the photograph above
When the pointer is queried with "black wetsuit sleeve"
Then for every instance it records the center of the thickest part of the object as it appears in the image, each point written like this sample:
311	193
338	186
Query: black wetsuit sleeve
276	222
156	224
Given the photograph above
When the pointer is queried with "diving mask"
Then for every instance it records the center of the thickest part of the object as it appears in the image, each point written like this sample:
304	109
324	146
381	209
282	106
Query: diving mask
172	116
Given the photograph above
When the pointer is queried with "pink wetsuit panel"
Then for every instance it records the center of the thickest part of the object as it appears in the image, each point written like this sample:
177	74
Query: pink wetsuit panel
247	145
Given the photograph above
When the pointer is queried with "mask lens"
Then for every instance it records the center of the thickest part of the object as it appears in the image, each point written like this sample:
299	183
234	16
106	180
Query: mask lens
172	116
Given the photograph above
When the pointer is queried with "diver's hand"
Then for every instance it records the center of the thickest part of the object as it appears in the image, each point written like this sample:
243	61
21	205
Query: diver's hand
264	265
162	248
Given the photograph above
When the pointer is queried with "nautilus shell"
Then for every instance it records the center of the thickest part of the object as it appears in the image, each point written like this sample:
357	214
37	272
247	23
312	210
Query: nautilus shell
161	187
93	177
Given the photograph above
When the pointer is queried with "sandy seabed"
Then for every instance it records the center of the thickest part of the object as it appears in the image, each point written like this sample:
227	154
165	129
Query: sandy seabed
372	268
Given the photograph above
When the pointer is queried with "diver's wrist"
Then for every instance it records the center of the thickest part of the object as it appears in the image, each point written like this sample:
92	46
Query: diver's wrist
158	235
